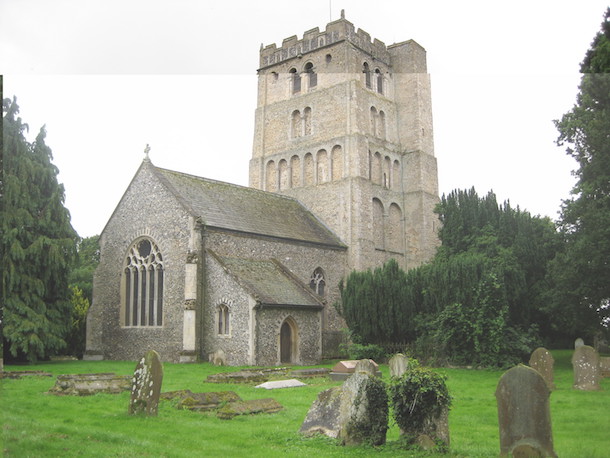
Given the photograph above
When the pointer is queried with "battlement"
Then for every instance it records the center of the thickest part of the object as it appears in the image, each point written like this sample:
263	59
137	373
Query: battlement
313	39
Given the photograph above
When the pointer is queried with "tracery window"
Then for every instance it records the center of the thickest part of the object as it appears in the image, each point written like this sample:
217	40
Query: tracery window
143	285
223	319
317	282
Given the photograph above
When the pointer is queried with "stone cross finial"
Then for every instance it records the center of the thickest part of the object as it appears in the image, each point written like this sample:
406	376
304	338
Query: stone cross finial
146	151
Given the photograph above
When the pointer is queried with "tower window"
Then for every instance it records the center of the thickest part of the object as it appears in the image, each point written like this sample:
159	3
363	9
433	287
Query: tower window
296	81
379	76
313	76
329	58
367	75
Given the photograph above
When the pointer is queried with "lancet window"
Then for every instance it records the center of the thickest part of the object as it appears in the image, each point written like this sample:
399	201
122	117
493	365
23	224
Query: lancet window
317	282
223	319
143	285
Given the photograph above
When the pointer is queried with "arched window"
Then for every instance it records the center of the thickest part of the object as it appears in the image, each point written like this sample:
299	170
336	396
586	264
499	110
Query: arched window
313	76
395	231
308	172
317	282
295	124
396	178
271	177
381	127
322	161
378	224
374	117
143	285
376	169
307	121
387	173
223	318
296	81
284	176
367	75
379	77
295	171
337	162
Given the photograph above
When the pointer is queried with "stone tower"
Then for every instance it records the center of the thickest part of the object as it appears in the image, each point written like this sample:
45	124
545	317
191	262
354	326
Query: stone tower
344	124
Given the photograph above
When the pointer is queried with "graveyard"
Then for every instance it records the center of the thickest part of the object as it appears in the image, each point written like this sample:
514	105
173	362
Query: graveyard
38	421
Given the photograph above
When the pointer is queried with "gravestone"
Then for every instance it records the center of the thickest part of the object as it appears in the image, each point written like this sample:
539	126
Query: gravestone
578	343
543	361
524	414
251	407
398	365
369	366
146	385
585	362
355	412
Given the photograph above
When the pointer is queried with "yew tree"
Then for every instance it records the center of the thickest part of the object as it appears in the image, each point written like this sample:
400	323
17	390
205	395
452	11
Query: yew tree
37	244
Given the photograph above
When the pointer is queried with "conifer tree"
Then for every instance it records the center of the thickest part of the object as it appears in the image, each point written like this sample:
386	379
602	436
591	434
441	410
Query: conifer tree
585	218
37	243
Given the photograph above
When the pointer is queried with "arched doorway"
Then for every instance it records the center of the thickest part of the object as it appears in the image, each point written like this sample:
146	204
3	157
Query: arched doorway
287	342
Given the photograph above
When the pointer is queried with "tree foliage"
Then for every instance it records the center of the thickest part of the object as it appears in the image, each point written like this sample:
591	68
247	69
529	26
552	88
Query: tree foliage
37	244
86	261
585	218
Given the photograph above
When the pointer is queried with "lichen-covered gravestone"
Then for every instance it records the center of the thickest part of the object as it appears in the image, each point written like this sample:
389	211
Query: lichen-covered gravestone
585	362
578	343
146	385
543	361
524	414
398	365
355	412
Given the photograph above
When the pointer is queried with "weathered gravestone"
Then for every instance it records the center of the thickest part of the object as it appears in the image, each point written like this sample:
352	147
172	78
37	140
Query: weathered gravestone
355	412
89	384
290	383
524	414
146	385
578	343
254	406
585	362
604	366
543	361
398	365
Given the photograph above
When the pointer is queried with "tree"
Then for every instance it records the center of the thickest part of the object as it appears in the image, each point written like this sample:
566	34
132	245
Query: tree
585	217
87	259
37	243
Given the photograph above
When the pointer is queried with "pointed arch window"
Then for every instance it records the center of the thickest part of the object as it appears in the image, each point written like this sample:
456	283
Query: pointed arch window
317	282
143	277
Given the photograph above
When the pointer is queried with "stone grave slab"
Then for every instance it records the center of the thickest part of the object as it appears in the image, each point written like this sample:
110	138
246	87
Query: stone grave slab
254	406
146	385
542	360
290	383
343	369
524	415
203	402
585	362
313	372
21	374
247	376
398	365
89	384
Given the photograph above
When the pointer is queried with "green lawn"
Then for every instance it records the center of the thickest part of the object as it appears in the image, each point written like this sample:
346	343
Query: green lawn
38	424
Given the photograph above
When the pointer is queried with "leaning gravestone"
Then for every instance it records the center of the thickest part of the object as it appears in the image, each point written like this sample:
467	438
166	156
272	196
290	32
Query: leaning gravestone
146	385
398	365
542	361
356	412
585	362
524	414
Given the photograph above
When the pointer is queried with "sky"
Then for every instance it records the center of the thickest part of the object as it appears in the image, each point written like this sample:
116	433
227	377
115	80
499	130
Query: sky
108	77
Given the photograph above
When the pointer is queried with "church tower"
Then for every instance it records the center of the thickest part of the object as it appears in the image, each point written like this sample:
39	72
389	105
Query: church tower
344	124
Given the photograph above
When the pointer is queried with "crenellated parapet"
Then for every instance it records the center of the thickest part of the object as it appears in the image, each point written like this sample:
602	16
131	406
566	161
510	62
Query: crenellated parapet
313	40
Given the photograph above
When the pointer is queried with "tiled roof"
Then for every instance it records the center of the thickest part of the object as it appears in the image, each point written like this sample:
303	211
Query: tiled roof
269	282
238	208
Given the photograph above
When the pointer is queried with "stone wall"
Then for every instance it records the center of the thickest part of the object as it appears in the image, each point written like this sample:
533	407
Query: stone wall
146	210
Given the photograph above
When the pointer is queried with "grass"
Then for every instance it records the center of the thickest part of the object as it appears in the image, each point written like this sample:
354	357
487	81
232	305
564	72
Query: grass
36	424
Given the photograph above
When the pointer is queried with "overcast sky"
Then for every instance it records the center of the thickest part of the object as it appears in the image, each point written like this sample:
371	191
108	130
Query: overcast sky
108	77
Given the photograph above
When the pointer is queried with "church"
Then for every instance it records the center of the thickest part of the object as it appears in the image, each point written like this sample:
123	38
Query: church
342	177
